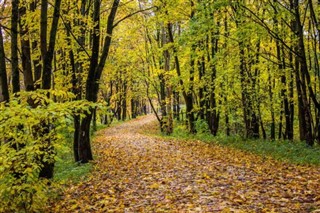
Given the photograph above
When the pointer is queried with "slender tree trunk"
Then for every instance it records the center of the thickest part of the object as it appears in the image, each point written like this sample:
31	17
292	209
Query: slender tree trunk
244	93
47	58
169	129
94	119
14	47
43	33
187	95
273	122
202	101
49	52
305	116
176	105
163	102
228	129
37	67
94	75
227	110
124	102
168	90
76	90
85	153
26	52
284	94
133	109
213	112
77	68
289	126
4	90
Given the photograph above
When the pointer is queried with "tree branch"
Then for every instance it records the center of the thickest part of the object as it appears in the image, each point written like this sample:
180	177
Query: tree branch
74	37
273	34
132	14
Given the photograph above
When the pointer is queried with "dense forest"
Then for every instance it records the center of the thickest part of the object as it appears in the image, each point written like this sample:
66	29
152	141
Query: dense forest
246	68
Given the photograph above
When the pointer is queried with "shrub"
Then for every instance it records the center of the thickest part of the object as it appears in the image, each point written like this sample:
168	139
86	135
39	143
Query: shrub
29	126
202	126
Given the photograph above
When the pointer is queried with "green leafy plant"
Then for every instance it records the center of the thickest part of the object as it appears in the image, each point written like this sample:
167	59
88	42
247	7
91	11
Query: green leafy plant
202	126
29	132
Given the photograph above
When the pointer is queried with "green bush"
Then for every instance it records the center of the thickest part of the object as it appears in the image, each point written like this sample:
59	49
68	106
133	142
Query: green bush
29	131
202	126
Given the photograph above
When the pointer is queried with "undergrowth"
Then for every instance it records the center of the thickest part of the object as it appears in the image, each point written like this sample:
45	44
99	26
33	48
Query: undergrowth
66	170
296	152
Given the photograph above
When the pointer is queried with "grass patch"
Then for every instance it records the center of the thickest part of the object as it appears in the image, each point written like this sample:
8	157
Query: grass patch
66	170
296	152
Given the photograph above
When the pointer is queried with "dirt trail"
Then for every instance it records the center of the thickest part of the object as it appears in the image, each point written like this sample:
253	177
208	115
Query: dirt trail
135	172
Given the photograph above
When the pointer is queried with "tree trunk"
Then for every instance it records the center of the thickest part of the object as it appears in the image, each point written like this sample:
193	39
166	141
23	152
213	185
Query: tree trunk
168	90
176	105
84	149
26	52
47	54
94	75
35	46
214	114
14	47
163	103
169	129
302	72
124	102
202	101
4	90
273	122
187	95
77	68
133	109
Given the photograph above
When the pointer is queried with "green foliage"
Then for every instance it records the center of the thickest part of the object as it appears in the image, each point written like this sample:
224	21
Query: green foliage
202	126
29	127
20	188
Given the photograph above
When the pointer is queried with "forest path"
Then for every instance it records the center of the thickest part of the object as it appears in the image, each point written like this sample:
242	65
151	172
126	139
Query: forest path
135	172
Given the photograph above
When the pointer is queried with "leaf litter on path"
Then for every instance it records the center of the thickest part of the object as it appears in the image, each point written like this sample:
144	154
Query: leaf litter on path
135	172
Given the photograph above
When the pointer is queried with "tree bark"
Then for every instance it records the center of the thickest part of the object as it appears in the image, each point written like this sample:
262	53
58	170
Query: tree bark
47	57
48	53
94	75
168	90
302	73
214	115
4	90
26	52
186	95
14	47
37	67
176	105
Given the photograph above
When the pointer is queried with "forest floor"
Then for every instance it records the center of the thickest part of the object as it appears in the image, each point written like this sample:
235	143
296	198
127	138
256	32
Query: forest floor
136	171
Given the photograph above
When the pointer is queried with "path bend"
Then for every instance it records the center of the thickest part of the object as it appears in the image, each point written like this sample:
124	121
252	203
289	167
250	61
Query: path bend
136	172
